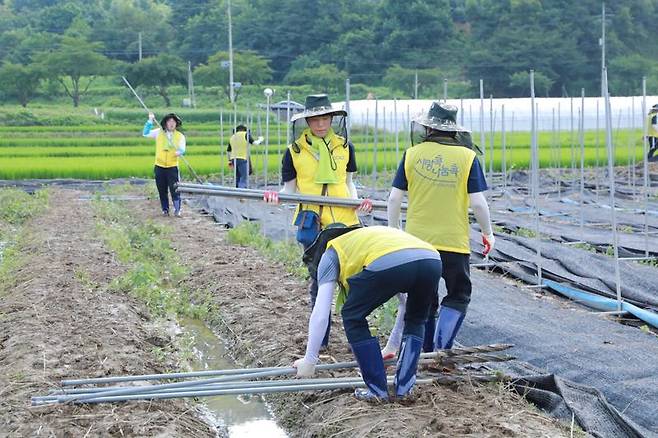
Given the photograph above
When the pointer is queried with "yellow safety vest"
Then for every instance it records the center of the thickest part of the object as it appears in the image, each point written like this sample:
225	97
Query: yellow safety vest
437	211
651	130
306	163
358	248
165	152
238	142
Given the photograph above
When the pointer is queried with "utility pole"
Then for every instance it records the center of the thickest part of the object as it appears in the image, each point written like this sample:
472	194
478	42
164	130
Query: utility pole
230	54
190	85
416	85
347	106
139	41
602	44
445	89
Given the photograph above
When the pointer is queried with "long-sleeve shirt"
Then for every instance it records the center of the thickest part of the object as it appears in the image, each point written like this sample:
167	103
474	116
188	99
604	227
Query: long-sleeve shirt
149	132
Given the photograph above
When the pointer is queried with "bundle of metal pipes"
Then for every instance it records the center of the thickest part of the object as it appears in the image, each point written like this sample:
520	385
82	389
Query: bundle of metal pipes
295	198
240	381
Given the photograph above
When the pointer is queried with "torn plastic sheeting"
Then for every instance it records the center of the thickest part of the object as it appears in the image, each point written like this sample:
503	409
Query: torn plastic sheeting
601	303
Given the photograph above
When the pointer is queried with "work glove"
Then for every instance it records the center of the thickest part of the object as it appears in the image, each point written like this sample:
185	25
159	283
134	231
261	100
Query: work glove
304	368
259	140
389	352
488	241
271	196
178	153
152	117
365	206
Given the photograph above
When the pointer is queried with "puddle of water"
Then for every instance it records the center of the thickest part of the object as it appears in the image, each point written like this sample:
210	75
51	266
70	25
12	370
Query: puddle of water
243	415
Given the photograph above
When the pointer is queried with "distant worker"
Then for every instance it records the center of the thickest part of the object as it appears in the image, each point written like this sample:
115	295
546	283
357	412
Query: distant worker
371	265
238	158
320	162
652	138
443	178
169	145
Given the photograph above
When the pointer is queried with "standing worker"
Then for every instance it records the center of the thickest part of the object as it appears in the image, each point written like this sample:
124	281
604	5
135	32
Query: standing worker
169	145
320	162
239	158
652	138
443	177
371	265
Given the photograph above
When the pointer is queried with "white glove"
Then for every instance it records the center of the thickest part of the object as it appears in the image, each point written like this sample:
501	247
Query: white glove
389	352
488	240
259	140
304	368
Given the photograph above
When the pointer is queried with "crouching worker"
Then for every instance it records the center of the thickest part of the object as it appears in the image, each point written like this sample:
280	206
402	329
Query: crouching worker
370	266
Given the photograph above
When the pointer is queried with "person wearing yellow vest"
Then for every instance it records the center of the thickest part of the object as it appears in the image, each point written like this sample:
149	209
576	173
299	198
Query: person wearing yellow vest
370	266
320	162
238	149
169	145
443	178
652	138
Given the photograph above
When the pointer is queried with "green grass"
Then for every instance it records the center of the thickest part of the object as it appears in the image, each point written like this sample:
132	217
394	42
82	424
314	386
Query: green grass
289	254
155	272
19	206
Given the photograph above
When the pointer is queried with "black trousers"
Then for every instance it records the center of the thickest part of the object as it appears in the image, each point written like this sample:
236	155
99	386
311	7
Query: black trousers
165	178
370	289
457	276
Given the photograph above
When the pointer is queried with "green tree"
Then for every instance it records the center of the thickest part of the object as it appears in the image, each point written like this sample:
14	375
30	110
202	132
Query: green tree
248	68
73	60
119	26
326	78
430	80
626	72
521	81
20	81
159	72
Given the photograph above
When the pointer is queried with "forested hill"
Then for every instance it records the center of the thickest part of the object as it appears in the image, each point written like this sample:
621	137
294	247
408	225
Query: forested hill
376	42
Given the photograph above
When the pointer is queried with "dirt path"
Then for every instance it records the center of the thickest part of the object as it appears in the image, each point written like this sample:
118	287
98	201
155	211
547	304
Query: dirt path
264	314
59	321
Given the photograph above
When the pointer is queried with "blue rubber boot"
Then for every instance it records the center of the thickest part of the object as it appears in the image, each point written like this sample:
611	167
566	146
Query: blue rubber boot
369	358
428	342
177	207
405	375
447	326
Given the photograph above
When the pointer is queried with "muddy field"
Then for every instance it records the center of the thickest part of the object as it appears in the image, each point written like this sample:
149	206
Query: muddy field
58	320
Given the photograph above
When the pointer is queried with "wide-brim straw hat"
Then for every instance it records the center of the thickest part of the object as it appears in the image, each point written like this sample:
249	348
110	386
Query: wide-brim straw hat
163	122
442	117
317	105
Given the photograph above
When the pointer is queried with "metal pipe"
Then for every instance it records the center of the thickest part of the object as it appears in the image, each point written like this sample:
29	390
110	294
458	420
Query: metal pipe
581	129
248	371
106	398
611	176
645	166
227	385
535	177
283	197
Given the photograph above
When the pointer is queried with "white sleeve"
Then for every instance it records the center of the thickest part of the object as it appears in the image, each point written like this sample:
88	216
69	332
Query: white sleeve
153	133
182	144
481	211
394	206
289	187
317	324
395	338
349	181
